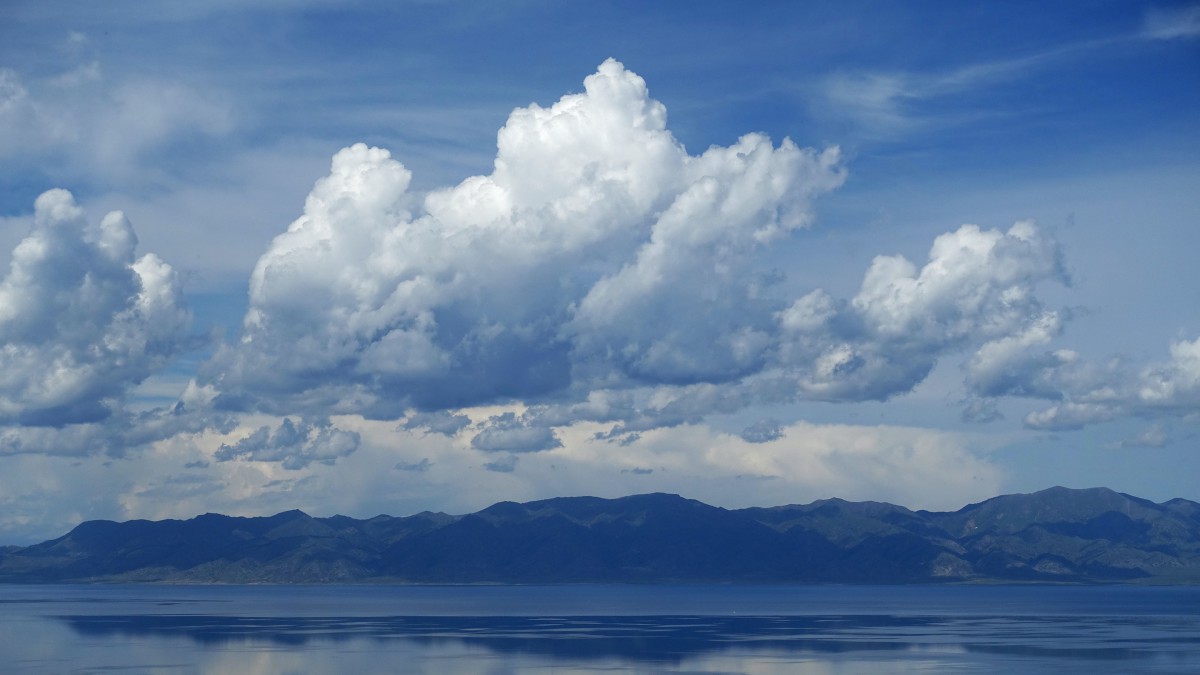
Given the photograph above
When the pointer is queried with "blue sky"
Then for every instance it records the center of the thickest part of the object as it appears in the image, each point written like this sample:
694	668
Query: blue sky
915	252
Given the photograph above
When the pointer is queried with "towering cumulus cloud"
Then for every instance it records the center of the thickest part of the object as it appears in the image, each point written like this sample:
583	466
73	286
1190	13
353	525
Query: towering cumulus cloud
599	272
81	318
597	253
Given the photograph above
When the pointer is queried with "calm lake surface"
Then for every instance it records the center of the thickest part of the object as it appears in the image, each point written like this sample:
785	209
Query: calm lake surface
593	629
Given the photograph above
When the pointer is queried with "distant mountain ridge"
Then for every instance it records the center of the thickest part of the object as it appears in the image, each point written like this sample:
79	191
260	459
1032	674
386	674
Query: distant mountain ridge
1091	536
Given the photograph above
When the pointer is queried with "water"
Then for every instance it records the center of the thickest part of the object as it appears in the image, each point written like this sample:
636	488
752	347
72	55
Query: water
599	629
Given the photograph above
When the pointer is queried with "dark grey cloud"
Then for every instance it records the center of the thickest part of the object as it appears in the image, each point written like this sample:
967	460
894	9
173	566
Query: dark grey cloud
293	445
506	464
509	433
524	284
602	273
762	431
437	422
419	467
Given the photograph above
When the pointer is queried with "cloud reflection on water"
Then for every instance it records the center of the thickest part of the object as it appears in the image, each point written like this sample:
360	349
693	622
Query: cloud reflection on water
675	639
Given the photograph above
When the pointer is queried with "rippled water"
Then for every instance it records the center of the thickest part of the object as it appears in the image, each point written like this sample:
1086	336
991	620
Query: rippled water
611	629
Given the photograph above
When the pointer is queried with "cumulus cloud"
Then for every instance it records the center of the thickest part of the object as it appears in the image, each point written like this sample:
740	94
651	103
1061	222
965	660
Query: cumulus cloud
597	251
1010	365
508	433
762	431
82	318
293	445
1081	392
437	422
601	272
978	285
1091	394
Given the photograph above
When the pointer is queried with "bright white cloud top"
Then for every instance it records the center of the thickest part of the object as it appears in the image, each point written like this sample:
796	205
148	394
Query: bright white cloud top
951	293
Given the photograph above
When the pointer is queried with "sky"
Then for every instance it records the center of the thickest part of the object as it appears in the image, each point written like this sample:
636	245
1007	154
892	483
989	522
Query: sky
361	258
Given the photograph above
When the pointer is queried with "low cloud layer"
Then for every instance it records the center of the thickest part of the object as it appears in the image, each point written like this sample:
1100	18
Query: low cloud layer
508	433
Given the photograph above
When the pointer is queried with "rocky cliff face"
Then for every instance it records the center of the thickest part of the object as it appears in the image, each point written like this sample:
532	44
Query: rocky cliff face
1095	535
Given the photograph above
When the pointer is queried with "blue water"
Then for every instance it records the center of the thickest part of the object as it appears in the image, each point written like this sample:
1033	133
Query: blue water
592	629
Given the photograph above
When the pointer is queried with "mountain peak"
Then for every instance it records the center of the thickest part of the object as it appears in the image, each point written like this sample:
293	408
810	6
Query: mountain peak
1058	534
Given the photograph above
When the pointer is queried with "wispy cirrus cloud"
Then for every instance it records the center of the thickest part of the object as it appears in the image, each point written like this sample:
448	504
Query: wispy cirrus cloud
1170	23
887	104
79	123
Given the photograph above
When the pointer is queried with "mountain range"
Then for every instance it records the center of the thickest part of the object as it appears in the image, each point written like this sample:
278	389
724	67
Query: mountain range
1093	535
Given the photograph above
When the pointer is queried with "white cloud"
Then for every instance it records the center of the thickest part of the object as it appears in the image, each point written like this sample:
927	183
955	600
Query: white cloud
78	123
12	91
978	285
523	282
1092	395
762	431
82	319
599	258
884	105
876	102
437	422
